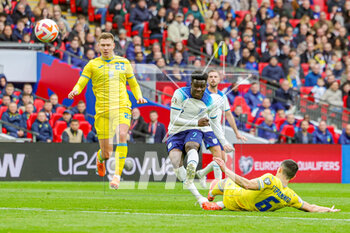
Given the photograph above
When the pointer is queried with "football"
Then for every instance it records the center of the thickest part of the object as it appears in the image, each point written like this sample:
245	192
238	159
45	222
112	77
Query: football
46	30
129	165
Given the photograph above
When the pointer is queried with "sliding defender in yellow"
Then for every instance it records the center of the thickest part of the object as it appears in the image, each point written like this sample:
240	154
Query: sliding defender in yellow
265	193
109	75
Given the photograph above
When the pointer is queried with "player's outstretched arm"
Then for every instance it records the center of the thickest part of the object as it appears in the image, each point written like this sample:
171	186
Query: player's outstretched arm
241	181
79	87
315	208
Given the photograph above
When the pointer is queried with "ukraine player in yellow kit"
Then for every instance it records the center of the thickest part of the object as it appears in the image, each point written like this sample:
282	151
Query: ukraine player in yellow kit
109	74
266	193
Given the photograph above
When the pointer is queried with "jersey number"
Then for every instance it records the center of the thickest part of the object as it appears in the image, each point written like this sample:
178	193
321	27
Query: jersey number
119	66
265	204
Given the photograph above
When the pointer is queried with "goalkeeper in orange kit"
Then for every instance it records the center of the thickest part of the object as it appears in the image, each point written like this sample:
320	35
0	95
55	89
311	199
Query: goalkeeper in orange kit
109	74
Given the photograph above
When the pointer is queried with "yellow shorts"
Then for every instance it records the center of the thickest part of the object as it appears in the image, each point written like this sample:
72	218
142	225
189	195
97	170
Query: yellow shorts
232	191
106	123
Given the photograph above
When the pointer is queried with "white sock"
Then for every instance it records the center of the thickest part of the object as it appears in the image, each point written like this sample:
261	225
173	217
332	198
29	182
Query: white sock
217	171
221	204
180	173
192	157
193	190
208	168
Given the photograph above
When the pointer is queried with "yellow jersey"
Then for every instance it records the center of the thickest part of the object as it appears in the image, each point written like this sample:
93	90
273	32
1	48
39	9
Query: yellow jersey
109	79
271	196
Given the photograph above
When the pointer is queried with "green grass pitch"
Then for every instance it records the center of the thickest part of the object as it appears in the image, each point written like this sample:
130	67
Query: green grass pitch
92	207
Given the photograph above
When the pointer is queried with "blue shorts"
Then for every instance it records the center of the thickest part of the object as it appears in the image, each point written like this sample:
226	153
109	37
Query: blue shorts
179	140
211	140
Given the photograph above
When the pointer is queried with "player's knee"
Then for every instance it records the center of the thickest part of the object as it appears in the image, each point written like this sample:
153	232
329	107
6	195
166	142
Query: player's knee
216	151
191	145
105	154
123	136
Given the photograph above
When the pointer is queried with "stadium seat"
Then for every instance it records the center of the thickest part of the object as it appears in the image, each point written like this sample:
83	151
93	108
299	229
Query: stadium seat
345	99
259	121
54	118
60	110
4	130
31	120
262	65
166	100
311	129
287	130
2	110
239	100
294	22
17	93
279	122
58	130
79	117
85	127
38	103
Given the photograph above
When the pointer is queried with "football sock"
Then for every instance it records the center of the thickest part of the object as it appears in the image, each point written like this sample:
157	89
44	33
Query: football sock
217	171
221	204
208	168
99	156
180	173
120	156
193	190
192	157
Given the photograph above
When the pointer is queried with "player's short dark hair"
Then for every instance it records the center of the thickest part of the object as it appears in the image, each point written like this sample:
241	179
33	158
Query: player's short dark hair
290	168
199	75
106	35
74	120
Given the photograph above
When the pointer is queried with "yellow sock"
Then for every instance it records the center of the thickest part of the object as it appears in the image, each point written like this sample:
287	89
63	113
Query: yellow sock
120	156
218	188
99	157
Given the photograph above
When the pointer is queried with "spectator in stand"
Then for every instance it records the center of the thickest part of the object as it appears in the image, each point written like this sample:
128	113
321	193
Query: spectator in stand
155	129
138	127
73	134
101	8
42	126
179	47
178	60
54	101
312	77
299	72
155	49
8	35
177	30
284	97
266	104
47	109
3	83
19	32
57	17
304	9
9	90
119	9
333	96
73	48
195	40
122	42
19	12
290	121
267	129
12	116
195	12
24	101
344	138
322	135
272	52
174	7
238	115
273	72
29	109
232	92
157	25
139	15
27	89
140	58
308	54
130	51
302	136
281	10
80	109
6	100
92	135
66	117
318	90
89	42
254	97
234	56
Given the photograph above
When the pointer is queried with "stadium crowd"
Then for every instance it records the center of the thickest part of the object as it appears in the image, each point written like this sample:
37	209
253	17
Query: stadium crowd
297	45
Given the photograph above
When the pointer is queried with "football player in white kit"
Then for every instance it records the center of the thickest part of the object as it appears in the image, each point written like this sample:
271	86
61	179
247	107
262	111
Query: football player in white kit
220	100
193	118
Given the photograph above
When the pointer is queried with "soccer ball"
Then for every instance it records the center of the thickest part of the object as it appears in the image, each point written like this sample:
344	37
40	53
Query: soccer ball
46	30
129	165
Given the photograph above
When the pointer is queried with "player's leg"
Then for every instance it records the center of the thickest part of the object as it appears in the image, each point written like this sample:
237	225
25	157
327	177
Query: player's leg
176	158
216	188
104	153
191	149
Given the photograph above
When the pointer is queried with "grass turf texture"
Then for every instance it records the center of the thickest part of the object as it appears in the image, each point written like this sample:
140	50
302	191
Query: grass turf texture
92	207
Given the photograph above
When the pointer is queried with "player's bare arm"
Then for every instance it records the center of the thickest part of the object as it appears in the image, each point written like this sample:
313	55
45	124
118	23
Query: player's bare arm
231	120
203	122
315	208
241	181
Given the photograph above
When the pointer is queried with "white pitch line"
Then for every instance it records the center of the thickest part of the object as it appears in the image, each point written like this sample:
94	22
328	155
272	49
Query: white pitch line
173	215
